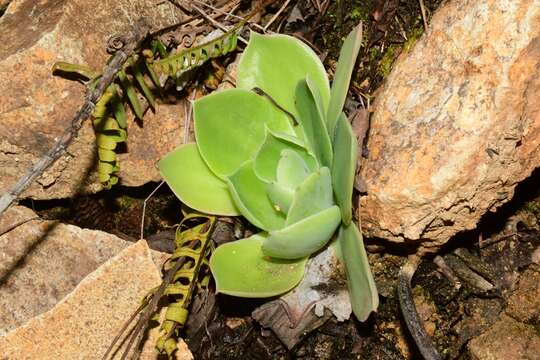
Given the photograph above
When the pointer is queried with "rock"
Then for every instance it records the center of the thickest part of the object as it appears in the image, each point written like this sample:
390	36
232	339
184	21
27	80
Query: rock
321	294
507	339
480	315
83	324
229	79
42	261
324	286
162	132
4	4
272	316
36	107
427	310
457	124
524	303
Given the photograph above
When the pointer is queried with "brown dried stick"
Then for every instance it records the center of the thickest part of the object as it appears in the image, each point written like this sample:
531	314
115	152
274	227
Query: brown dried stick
131	41
408	309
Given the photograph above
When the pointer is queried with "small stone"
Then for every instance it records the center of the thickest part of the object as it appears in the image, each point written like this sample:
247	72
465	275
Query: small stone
426	310
507	339
524	303
234	322
42	261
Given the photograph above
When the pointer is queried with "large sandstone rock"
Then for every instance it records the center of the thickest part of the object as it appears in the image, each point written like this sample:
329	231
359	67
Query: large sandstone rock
42	261
457	125
83	324
36	107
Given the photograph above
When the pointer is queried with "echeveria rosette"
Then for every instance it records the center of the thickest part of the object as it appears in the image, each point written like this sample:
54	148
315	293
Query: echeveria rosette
294	182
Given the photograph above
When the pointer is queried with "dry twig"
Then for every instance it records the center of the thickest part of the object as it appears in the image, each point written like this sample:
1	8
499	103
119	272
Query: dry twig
144	207
214	22
218	10
283	7
10	227
408	309
424	15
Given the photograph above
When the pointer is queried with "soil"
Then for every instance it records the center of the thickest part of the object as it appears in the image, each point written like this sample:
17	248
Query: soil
454	312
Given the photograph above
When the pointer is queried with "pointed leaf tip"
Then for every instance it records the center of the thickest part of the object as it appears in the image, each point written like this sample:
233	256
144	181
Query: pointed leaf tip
342	77
362	288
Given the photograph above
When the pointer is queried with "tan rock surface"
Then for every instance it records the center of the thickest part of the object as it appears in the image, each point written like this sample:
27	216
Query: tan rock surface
42	261
82	325
35	107
457	124
507	339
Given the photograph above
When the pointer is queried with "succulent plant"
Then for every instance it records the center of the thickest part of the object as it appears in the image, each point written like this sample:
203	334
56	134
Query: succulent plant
278	150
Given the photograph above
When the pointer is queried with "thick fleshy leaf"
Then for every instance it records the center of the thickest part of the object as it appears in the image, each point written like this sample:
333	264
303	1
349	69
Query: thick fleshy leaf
249	194
275	63
312	120
304	237
230	126
312	196
344	167
267	159
280	196
194	184
291	170
362	289
241	269
342	77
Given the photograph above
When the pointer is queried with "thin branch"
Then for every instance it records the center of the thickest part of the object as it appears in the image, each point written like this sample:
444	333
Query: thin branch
218	10
261	92
424	15
124	328
131	42
143	322
277	14
214	22
144	207
188	116
10	227
196	20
